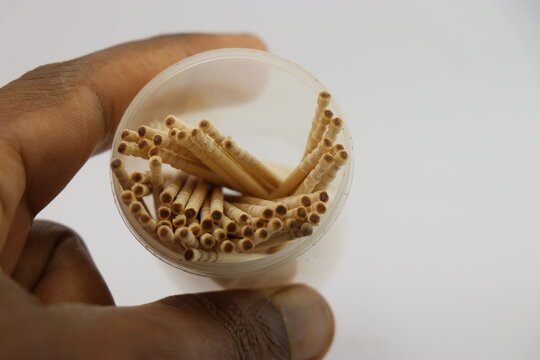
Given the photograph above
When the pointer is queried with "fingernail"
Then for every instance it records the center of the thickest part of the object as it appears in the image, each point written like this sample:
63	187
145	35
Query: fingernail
308	319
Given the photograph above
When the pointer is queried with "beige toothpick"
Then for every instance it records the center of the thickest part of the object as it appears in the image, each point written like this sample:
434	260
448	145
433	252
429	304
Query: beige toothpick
183	195
295	178
284	236
340	159
334	128
117	167
185	237
245	182
236	214
315	176
210	129
323	100
206	220
279	207
196	200
252	164
127	197
129	135
263	211
216	203
173	187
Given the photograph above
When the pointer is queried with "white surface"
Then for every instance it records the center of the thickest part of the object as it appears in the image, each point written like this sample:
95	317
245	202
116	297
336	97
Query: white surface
441	236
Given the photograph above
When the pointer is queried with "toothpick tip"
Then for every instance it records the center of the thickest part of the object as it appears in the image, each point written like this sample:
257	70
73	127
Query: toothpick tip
325	94
141	130
328	114
189	254
157	139
116	164
324	197
122	147
204	124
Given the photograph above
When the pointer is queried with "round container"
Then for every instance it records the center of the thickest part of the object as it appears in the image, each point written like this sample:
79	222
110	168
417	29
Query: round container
266	103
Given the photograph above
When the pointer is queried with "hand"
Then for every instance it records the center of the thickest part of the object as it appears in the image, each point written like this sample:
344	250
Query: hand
53	301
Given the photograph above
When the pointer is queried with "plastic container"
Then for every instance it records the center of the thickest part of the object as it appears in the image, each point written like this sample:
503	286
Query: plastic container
266	103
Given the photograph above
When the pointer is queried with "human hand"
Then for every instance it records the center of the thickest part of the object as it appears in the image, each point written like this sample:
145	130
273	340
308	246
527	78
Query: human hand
53	301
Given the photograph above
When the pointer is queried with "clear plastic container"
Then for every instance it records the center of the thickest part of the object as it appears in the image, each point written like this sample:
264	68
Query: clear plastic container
266	103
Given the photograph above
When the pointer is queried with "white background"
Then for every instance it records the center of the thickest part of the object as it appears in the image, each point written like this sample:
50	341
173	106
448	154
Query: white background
440	236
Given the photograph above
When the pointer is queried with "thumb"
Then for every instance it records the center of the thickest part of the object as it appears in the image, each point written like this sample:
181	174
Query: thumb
276	323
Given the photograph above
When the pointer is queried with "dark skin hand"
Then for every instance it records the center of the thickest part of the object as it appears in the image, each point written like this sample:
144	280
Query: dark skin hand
54	304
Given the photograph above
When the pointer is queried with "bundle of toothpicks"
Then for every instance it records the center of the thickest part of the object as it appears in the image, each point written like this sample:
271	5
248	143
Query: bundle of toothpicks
195	214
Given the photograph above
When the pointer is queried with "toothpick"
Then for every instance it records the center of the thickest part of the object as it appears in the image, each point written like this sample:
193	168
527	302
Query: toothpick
323	100
285	236
313	218
185	237
319	207
233	169
178	162
137	209
200	151
129	135
334	128
235	213
295	201
179	221
260	236
141	190
292	224
206	218
127	197
319	196
227	247
171	190
337	148
183	195
139	177
228	224
195	227
207	241
131	149
164	222
219	234
340	159
279	207
196	200
165	234
295	178
147	222
275	225
299	212
321	130
210	129
252	164
216	203
164	212
144	145
315	176
258	222
245	231
264	212
156	178
246	245
199	255
172	121
118	169
148	132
